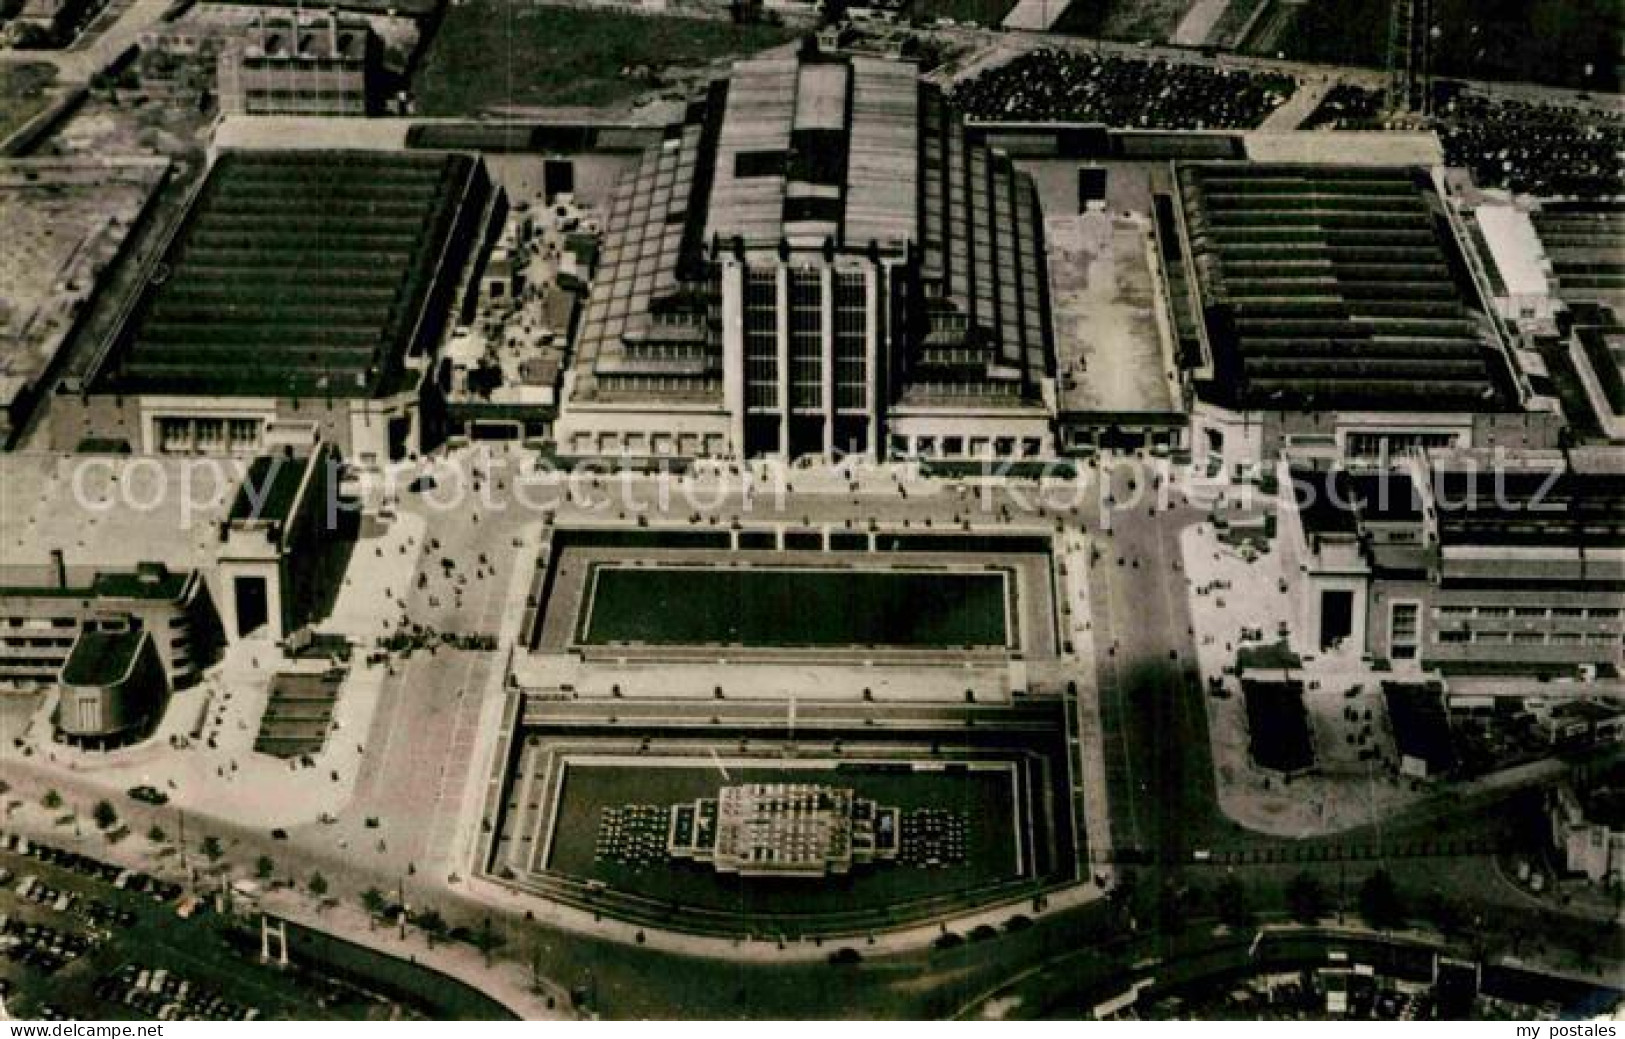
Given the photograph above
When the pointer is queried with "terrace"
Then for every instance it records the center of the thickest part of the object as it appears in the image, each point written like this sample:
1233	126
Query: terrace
1582	243
299	713
327	262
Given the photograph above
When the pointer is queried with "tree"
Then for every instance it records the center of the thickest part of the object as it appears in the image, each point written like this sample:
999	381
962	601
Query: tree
1305	899
432	924
156	834
1444	914
487	940
104	814
1129	901
373	901
317	885
211	848
1231	901
264	867
1172	908
1586	947
52	800
1380	904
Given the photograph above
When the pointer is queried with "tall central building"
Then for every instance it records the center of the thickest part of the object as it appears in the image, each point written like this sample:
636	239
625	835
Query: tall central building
818	259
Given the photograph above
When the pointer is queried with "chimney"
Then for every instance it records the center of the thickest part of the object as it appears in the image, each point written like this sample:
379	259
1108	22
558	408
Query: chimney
60	566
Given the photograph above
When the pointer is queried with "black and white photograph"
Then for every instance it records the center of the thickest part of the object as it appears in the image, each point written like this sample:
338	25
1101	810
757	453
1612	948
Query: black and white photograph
1023	513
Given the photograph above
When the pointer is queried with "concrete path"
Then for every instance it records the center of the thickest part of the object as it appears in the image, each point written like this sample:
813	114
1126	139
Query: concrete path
1198	22
1034	15
1298	108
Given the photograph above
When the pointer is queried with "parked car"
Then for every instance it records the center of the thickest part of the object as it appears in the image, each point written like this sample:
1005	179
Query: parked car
149	794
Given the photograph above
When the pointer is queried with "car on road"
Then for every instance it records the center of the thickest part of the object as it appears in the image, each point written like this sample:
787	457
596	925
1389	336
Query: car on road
149	794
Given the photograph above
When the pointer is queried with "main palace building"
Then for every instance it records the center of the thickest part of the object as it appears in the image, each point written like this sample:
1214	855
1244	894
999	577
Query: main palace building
818	258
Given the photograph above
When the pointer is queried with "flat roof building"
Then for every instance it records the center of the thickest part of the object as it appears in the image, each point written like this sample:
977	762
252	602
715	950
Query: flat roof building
818	258
1465	562
1588	828
281	544
292	66
1520	273
113	688
42	615
193	550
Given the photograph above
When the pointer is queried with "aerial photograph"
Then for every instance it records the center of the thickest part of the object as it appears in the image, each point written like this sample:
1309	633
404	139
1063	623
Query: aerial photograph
812	510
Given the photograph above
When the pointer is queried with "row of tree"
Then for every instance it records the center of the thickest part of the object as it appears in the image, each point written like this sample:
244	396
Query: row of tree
1307	902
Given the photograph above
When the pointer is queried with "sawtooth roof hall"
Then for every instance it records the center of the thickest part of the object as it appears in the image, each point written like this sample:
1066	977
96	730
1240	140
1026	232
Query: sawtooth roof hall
819	257
299	301
1339	317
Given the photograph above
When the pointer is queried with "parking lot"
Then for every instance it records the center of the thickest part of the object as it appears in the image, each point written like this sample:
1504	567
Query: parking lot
82	938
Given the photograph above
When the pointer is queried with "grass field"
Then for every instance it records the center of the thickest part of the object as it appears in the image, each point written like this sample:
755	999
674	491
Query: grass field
984	796
496	52
781	607
22	94
1548	41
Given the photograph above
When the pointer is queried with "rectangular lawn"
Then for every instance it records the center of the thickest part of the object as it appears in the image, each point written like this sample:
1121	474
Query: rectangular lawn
686	606
492	53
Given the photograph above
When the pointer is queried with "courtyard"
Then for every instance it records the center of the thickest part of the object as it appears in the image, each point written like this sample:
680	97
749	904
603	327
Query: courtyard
985	795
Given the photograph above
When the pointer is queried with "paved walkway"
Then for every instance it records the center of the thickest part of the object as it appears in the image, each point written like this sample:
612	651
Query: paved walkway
1299	107
456	849
1091	750
504	981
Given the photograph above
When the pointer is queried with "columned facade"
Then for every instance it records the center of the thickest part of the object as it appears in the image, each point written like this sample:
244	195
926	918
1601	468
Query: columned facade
818	251
801	338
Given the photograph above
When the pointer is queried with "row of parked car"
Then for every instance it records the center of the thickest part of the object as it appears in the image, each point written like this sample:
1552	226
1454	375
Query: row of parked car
167	996
96	869
40	946
95	911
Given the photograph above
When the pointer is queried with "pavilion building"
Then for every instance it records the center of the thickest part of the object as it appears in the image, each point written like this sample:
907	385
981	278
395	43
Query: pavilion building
818	259
783	830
